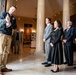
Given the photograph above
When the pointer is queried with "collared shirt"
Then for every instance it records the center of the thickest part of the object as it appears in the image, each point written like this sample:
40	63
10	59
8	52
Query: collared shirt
68	29
48	24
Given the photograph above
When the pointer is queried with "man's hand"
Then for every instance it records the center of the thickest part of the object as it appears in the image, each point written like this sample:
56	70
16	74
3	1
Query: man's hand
8	24
75	40
51	44
43	40
64	41
7	18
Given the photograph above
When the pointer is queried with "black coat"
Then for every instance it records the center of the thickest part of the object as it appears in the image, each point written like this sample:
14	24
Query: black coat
56	50
68	46
69	35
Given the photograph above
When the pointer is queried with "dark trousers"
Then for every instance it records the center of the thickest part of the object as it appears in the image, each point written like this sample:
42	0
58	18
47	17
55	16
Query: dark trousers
17	47
68	54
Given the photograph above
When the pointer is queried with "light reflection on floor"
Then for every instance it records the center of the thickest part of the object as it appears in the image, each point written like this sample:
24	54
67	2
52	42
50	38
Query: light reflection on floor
29	63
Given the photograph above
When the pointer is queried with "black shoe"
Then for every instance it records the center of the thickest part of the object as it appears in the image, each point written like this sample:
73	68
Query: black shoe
70	64
44	63
65	63
74	67
55	71
47	65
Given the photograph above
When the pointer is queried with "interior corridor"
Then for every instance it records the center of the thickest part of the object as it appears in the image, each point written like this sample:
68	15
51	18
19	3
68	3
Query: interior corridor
29	63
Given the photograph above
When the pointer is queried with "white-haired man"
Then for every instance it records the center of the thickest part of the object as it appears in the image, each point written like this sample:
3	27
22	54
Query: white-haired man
68	43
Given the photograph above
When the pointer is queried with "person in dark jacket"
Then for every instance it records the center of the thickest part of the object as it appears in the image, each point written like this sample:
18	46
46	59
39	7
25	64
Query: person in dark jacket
7	24
68	43
56	46
17	42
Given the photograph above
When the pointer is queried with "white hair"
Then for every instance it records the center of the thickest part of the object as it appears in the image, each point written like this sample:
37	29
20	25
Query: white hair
70	22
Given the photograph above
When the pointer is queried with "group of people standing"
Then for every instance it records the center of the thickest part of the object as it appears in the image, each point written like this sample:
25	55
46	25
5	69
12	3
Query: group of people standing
54	37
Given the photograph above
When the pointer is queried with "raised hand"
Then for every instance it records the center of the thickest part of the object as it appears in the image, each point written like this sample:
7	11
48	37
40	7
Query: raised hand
7	18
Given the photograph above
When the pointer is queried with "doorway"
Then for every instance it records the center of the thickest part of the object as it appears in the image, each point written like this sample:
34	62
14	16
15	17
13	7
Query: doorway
27	33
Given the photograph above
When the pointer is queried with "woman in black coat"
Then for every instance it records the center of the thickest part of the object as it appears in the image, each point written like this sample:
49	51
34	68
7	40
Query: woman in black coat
56	46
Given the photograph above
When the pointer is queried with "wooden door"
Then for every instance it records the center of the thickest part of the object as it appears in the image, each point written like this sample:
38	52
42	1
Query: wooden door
27	35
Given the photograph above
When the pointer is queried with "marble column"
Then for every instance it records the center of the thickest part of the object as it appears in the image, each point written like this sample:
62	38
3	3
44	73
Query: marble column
40	26
66	16
66	12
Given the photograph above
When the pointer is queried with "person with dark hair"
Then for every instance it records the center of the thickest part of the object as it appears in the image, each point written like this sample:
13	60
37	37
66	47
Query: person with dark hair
46	40
17	42
56	46
68	37
8	23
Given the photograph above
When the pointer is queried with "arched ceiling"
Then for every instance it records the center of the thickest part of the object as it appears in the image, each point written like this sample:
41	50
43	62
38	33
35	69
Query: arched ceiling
27	8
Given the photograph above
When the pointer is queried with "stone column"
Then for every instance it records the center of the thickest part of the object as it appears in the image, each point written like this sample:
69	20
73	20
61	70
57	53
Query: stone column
40	26
66	16
66	12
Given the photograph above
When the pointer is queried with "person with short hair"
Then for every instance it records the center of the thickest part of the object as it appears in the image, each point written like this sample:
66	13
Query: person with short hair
7	24
68	36
46	40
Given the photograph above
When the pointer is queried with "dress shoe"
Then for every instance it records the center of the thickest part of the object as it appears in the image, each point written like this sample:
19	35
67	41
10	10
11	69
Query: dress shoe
55	71
70	64
47	65
6	70
44	63
74	67
65	63
1	73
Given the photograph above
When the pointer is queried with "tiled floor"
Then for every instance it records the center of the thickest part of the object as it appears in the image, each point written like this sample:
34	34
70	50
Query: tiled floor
29	63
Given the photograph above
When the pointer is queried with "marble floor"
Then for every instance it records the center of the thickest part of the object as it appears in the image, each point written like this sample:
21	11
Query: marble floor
29	63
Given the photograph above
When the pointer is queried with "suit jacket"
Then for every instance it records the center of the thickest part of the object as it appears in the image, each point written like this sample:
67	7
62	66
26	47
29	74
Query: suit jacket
56	36
47	33
68	35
